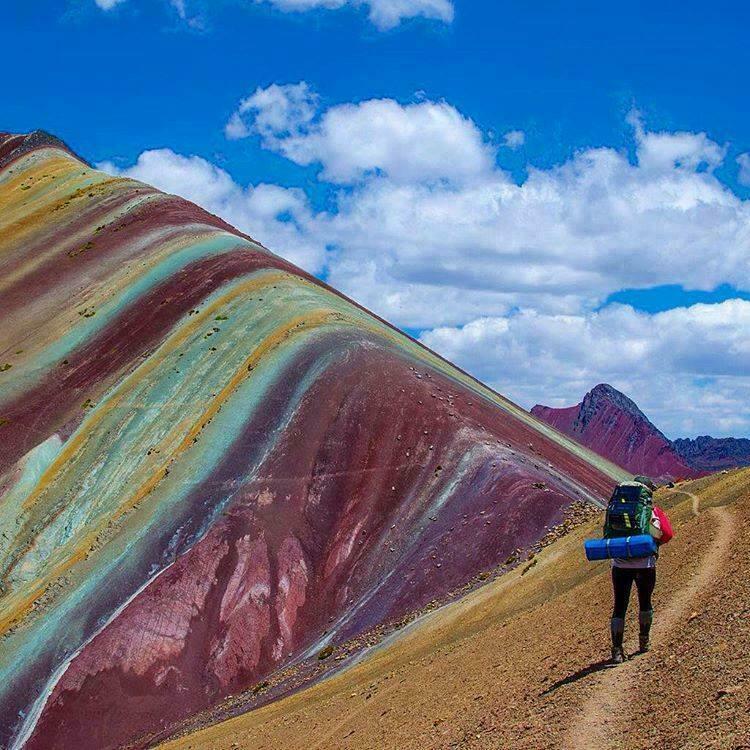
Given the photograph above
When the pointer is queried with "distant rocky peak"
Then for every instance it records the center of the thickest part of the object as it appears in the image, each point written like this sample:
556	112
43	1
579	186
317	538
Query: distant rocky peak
610	423
604	395
714	454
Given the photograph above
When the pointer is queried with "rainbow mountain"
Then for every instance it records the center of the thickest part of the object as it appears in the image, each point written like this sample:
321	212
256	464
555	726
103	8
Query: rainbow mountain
212	465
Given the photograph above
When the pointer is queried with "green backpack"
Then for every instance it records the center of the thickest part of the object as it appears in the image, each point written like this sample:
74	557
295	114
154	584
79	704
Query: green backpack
629	511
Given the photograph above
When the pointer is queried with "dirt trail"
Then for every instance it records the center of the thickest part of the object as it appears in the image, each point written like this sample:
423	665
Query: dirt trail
596	726
695	499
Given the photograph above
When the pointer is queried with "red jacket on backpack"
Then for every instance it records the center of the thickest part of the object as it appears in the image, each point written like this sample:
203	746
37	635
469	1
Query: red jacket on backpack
665	526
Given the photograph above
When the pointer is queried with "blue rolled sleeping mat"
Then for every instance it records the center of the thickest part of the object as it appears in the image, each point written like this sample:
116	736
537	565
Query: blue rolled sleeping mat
641	545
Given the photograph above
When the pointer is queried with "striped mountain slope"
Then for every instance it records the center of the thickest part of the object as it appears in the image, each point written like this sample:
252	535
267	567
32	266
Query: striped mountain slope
211	464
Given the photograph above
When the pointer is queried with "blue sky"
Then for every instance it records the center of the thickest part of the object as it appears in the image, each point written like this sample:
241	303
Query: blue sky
136	77
551	195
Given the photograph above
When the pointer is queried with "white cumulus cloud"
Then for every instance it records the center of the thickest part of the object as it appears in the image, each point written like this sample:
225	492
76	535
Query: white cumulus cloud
385	14
407	143
514	139
562	241
274	113
679	150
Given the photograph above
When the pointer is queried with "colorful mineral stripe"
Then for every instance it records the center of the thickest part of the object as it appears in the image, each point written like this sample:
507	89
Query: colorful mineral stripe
211	464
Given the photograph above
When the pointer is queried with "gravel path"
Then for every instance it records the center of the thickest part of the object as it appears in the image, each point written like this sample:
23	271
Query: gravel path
596	728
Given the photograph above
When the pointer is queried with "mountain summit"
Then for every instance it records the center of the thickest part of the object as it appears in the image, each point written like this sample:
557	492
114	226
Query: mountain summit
610	423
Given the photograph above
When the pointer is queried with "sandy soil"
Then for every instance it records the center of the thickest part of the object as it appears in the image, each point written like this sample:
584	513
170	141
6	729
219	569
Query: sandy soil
520	664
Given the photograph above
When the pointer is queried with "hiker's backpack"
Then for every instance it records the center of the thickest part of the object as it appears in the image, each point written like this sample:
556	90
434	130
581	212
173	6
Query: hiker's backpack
629	511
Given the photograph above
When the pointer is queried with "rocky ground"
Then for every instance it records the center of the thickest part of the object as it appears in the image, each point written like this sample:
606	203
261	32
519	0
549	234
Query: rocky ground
520	662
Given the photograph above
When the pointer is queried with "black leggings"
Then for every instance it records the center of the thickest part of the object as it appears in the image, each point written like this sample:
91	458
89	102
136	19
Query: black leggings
622	582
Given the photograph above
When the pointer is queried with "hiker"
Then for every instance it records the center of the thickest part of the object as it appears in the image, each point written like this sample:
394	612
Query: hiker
638	570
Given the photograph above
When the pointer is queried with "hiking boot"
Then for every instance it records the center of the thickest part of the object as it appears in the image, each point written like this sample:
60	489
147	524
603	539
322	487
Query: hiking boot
645	618
617	629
